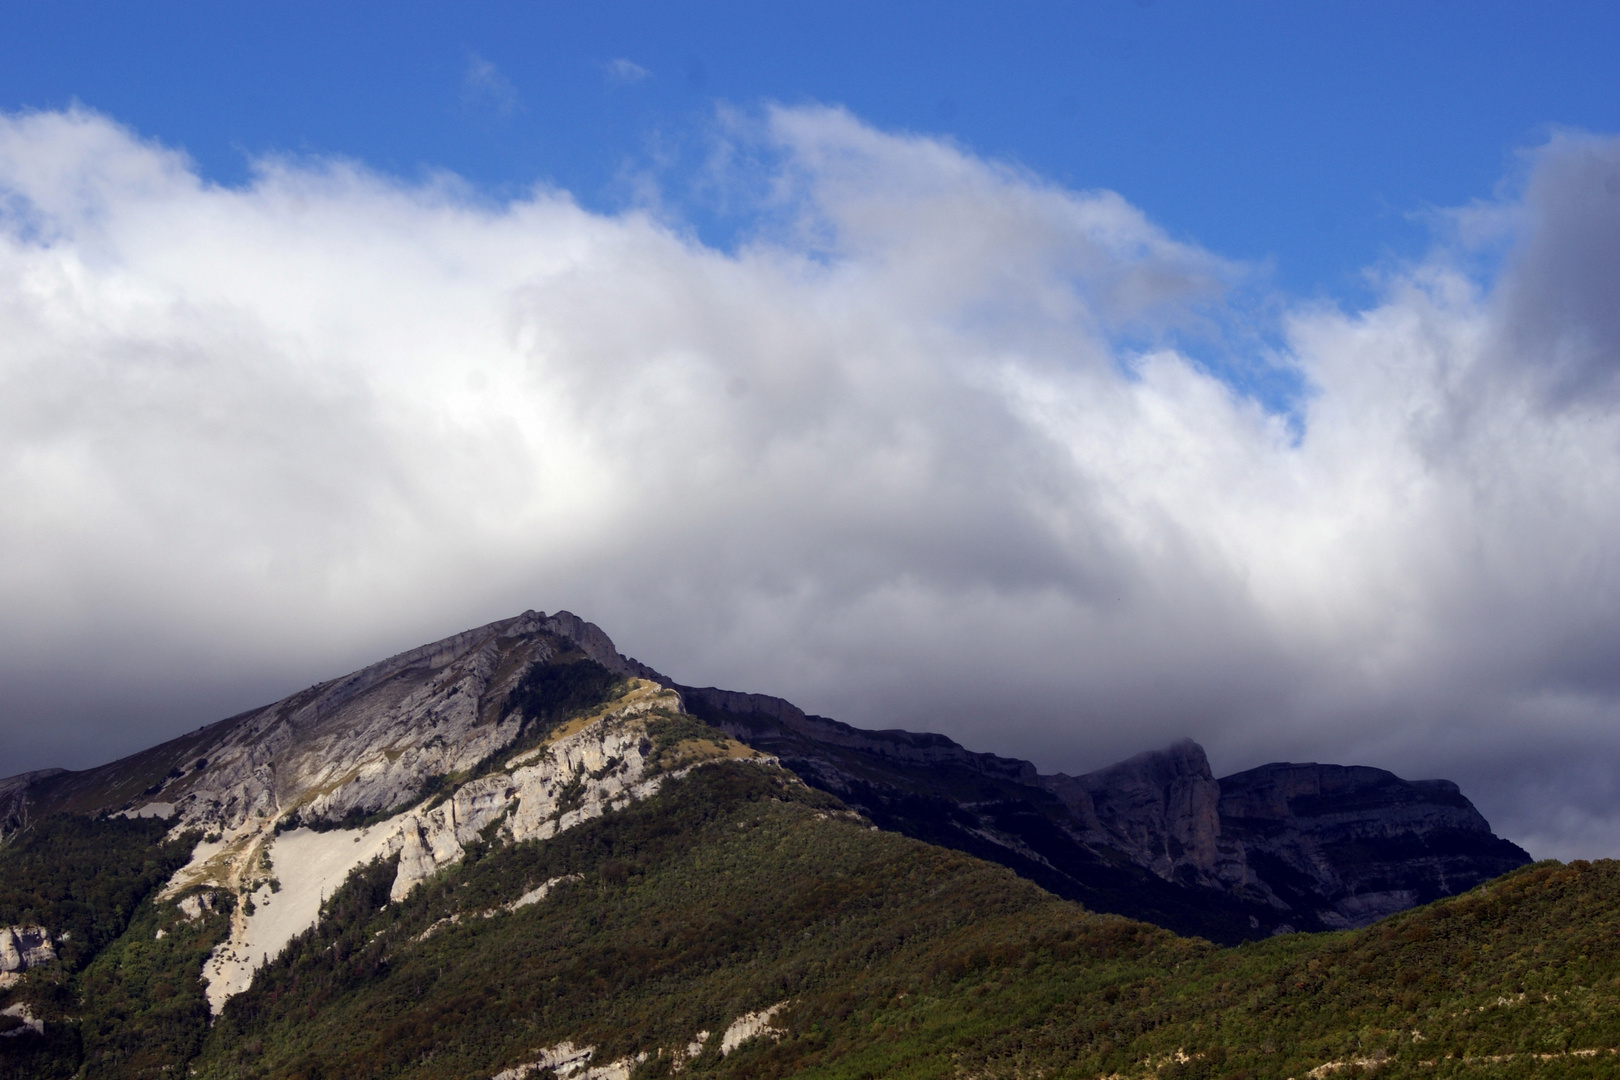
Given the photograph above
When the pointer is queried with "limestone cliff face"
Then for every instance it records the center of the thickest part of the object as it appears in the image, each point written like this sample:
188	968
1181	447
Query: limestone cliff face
408	752
24	947
361	743
1334	846
371	740
601	767
600	762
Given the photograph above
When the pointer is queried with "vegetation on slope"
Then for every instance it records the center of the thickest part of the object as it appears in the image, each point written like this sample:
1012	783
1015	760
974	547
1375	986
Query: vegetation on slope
88	880
1518	978
736	888
550	693
83	877
143	1012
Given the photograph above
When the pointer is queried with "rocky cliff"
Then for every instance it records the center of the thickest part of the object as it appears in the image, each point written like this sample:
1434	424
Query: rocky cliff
362	743
23	947
1280	848
1353	844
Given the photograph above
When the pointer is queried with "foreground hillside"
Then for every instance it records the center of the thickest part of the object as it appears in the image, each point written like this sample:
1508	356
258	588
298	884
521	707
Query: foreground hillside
735	890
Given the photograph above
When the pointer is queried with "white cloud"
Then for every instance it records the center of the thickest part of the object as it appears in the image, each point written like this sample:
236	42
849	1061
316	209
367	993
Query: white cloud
625	71
484	83
887	460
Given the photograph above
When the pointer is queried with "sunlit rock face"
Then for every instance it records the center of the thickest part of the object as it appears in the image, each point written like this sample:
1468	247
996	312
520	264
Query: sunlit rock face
603	766
600	762
369	741
359	744
407	751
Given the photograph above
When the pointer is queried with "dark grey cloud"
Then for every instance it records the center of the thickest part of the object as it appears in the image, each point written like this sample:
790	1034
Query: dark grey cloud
1560	303
889	459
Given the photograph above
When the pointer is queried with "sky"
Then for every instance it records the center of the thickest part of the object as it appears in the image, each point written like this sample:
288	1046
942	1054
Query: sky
1067	379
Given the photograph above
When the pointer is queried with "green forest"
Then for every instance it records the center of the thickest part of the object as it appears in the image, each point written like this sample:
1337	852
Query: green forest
736	888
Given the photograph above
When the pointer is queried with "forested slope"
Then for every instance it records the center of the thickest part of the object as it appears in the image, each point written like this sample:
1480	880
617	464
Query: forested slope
736	888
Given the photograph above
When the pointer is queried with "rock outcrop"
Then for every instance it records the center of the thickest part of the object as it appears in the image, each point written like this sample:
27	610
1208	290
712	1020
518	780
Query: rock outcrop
413	758
572	1063
598	763
23	1021
23	947
356	745
752	1025
600	767
1163	807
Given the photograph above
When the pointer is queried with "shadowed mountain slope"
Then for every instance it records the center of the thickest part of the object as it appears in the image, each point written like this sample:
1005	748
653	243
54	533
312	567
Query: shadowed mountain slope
1280	848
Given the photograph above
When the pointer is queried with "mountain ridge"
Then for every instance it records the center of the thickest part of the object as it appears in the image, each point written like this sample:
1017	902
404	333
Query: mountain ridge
497	856
1166	812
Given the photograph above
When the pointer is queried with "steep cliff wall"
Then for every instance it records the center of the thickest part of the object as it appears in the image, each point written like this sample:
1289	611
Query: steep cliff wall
1283	847
1353	844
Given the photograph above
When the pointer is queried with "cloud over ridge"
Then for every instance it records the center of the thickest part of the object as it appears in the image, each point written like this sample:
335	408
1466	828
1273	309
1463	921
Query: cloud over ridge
903	456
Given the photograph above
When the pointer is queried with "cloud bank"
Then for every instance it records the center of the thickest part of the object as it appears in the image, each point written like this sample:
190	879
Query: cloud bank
921	453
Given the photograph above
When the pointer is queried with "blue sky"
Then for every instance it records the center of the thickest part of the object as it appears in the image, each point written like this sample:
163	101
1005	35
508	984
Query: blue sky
1068	379
1313	137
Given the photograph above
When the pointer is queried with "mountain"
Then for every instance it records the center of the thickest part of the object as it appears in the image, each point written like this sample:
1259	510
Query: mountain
1279	848
516	851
